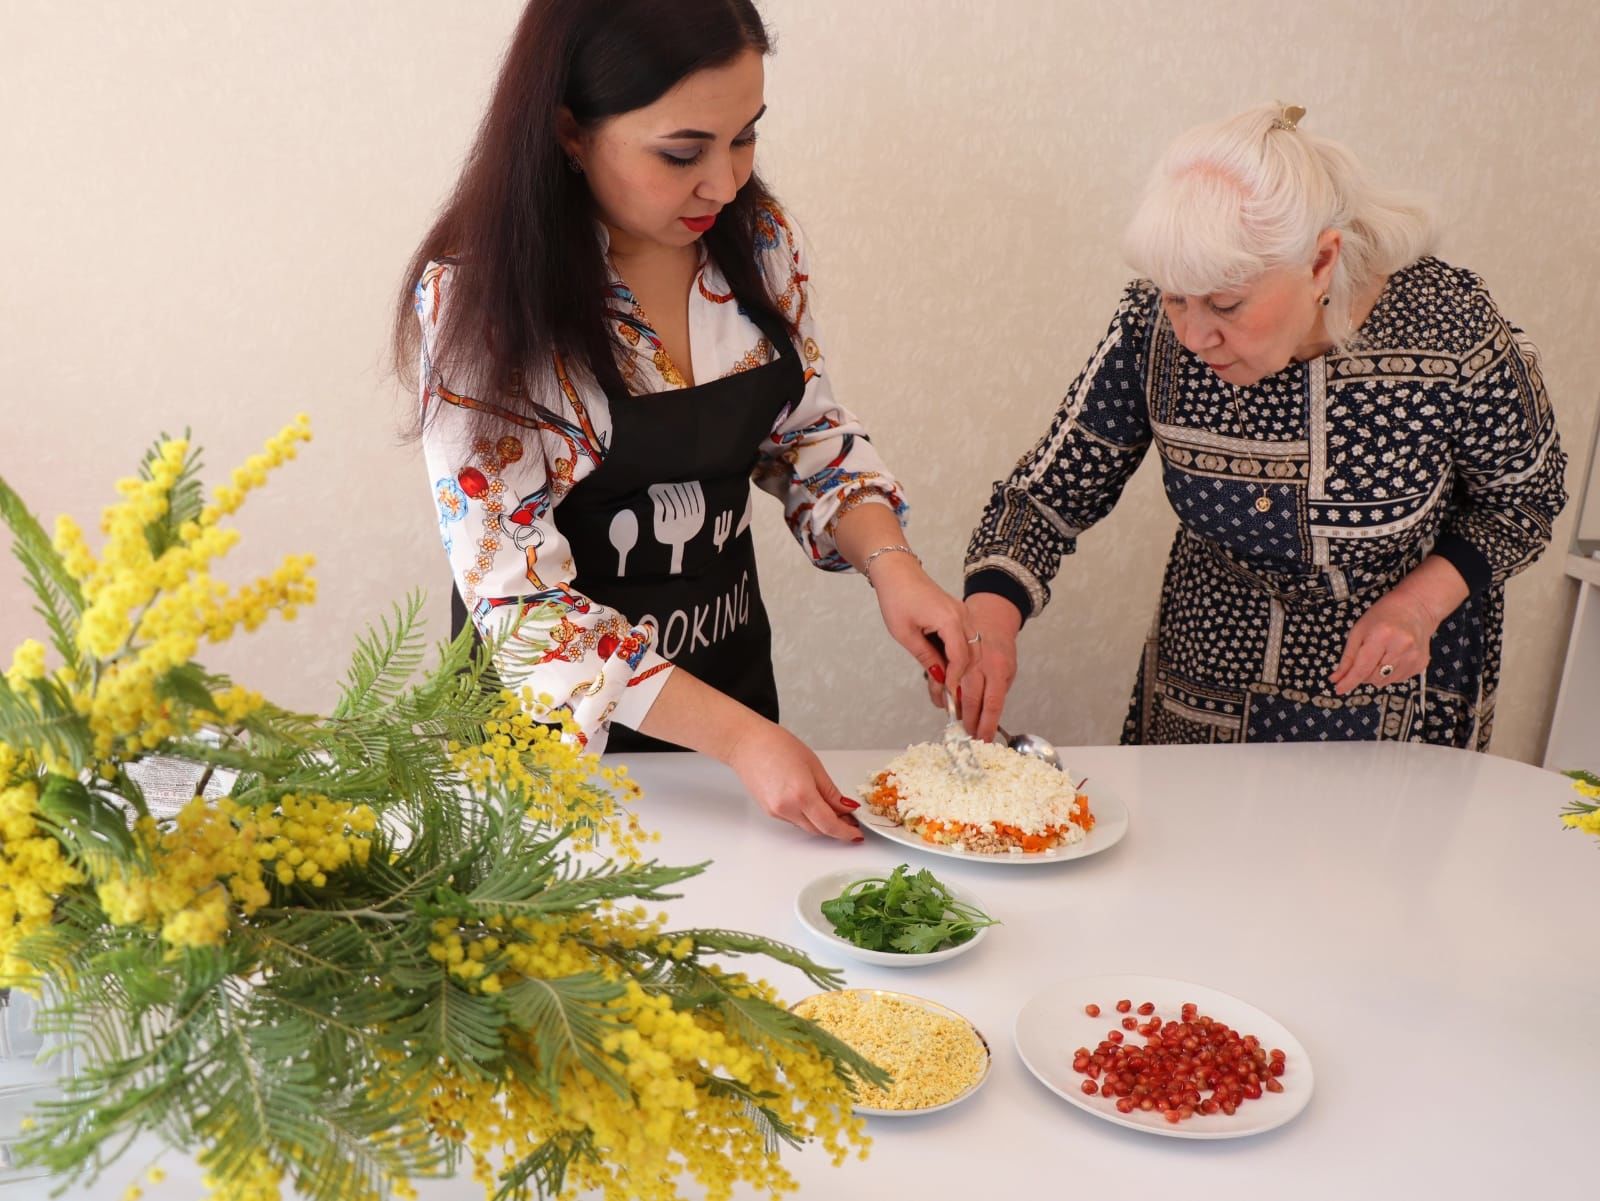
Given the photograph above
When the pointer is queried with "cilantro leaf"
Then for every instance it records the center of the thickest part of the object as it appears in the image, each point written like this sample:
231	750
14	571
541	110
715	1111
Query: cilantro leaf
913	914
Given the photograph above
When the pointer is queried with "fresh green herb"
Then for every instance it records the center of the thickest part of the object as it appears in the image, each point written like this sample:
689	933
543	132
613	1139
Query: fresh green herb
914	914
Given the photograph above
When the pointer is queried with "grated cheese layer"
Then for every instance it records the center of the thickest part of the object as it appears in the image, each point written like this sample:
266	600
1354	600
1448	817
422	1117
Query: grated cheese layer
1014	789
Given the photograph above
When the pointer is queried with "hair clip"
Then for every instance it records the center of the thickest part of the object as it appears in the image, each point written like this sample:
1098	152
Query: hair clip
1289	117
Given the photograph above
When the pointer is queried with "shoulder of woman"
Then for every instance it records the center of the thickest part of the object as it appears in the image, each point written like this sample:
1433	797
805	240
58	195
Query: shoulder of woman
1456	300
776	231
1140	294
431	292
1462	319
1138	306
780	247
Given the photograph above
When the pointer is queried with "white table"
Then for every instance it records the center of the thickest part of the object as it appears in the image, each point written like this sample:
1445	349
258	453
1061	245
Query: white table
1416	916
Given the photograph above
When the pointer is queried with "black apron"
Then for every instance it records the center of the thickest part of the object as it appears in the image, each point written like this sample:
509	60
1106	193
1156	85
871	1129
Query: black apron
661	529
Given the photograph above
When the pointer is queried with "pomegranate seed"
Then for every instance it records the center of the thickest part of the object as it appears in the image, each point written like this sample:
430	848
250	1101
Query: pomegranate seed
1092	1010
1180	1061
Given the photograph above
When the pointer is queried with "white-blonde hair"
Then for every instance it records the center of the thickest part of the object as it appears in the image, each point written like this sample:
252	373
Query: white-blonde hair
1233	199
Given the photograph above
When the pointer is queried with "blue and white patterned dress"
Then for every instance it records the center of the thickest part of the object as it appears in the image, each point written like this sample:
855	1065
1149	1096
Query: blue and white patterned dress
1302	499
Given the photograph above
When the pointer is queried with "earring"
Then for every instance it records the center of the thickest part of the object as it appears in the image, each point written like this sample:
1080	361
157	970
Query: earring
1324	301
574	165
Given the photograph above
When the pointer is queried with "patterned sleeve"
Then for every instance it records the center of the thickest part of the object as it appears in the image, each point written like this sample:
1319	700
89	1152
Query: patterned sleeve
819	460
1073	476
496	499
1510	467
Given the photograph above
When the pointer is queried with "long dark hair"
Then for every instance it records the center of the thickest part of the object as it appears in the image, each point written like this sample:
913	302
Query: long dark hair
529	278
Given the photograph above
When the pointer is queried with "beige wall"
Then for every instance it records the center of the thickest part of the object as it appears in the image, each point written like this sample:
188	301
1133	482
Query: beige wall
205	206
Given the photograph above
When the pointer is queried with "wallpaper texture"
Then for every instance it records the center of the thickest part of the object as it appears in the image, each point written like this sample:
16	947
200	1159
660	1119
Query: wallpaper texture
208	207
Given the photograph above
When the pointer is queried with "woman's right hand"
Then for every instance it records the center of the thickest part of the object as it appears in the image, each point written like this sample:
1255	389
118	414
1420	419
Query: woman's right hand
994	668
790	783
776	768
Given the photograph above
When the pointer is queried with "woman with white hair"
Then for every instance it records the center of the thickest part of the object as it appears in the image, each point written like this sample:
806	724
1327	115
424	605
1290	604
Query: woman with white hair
1358	446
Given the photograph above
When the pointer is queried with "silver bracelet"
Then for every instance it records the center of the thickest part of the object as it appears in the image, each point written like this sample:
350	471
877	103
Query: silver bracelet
866	568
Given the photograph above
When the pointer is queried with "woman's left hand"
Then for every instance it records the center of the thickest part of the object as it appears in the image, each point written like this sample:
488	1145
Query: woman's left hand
914	607
1394	633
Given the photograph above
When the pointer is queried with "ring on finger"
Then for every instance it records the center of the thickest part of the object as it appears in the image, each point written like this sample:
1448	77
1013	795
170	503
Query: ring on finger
1386	670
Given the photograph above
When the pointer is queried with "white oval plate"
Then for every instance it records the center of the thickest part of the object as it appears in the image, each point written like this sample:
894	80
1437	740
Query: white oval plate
1052	1025
808	908
942	1011
1110	824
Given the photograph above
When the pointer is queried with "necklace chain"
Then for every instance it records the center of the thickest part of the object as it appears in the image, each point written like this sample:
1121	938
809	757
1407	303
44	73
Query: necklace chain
1263	503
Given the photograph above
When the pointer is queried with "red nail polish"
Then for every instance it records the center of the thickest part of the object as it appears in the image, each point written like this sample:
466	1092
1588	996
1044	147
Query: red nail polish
848	803
937	673
958	694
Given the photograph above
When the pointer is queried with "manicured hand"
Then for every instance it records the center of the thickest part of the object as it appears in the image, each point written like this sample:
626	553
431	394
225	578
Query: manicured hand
790	783
983	689
925	619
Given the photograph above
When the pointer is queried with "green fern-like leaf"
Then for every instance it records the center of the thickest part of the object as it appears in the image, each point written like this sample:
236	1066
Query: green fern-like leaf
612	882
567	1019
188	684
44	719
359	1145
59	599
759	1021
452	1025
384	660
735	942
544	1172
774	1130
184	502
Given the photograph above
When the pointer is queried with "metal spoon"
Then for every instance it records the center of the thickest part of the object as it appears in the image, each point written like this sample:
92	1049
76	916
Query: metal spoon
958	743
1033	745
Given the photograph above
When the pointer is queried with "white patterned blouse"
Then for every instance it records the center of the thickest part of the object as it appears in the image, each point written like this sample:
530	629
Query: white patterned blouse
496	498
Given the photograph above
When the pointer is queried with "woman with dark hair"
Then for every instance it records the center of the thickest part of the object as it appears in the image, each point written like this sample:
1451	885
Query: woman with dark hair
612	321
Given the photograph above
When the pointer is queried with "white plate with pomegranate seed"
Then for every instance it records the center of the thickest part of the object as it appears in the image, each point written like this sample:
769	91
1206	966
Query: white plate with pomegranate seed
1055	1024
1110	824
